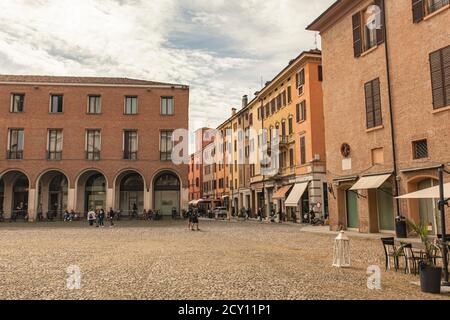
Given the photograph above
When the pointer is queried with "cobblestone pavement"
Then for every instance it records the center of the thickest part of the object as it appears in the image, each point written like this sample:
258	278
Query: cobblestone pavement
164	260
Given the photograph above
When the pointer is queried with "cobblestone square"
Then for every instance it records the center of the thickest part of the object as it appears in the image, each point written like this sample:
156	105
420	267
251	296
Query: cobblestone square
164	260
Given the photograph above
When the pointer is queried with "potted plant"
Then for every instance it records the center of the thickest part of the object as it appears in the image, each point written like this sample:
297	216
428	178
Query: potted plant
430	274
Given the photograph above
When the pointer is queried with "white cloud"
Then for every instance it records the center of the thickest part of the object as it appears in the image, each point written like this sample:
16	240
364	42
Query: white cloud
220	48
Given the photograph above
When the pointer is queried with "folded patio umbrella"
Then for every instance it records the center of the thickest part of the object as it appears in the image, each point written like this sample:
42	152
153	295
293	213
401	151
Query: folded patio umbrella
430	193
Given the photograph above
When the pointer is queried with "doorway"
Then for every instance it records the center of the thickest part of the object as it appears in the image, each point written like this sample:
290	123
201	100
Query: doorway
352	209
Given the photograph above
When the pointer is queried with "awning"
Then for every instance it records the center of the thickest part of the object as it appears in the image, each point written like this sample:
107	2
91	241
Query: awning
281	193
193	202
371	182
225	197
296	194
430	193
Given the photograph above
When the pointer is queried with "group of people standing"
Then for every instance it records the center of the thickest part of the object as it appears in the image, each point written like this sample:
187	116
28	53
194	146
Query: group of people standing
98	217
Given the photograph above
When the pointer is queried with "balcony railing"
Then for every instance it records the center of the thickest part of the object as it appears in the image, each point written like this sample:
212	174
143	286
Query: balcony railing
93	155
54	155
129	155
14	154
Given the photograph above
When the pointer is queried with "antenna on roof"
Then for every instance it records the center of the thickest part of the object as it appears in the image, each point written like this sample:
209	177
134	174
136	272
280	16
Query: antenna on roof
315	41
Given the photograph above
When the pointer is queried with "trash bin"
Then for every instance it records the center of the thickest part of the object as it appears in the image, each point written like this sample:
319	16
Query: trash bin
400	228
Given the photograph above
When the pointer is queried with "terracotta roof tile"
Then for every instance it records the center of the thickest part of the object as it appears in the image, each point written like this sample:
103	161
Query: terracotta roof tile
78	80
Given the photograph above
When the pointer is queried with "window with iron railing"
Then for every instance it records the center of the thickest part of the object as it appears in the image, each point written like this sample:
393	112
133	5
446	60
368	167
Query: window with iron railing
15	144
93	144
420	149
130	143
166	145
55	141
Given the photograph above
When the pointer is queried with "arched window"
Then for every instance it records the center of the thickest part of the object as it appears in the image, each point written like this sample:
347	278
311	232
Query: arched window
58	183
132	182
167	181
95	192
96	183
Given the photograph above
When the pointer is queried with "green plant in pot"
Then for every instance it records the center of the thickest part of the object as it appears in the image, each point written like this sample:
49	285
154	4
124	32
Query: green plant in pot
430	274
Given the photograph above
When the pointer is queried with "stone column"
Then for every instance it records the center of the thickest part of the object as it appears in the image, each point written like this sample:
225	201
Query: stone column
71	199
32	204
109	199
147	203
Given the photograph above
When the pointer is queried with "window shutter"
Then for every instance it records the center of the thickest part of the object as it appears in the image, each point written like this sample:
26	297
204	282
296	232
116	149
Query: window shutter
296	80
418	8
376	103
369	105
304	109
446	72
298	112
380	31
357	43
437	79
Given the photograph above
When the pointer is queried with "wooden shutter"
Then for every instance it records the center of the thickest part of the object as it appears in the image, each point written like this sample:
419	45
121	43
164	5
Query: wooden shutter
302	150
357	39
380	31
377	116
370	121
298	112
440	77
418	9
289	95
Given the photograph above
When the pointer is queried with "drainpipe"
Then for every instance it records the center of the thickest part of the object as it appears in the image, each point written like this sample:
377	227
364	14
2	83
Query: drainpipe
391	112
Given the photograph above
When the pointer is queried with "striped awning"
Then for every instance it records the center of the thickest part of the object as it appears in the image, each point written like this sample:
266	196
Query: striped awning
296	194
370	182
281	192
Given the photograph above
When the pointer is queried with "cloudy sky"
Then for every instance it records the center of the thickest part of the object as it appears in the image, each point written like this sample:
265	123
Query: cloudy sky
221	48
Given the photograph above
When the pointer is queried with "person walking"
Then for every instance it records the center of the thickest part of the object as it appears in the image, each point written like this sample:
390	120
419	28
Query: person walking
111	217
101	218
91	217
195	222
190	215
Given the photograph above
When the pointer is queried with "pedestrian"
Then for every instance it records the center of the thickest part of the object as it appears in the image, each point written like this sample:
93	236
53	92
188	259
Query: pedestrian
111	217
174	213
195	222
134	213
260	214
66	215
91	217
101	218
190	215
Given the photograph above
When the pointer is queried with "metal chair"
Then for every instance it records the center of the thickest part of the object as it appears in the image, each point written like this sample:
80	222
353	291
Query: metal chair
390	252
412	261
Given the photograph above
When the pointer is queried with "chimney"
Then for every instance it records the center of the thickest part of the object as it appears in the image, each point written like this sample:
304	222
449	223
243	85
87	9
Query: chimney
244	101
233	111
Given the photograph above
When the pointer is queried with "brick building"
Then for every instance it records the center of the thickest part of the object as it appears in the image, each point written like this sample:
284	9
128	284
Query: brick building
387	108
88	143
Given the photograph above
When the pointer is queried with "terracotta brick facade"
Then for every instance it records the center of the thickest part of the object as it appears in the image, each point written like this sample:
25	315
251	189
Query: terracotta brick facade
36	120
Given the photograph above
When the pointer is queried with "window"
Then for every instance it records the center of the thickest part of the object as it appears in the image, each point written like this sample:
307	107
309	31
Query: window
420	149
301	111
283	128
167	108
55	144
18	103
289	94
273	105
279	101
131	105
373	104
422	8
291	157
440	77
267	112
56	103
166	146
302	150
250	119
93	144
15	144
197	182
320	73
368	28
300	81
94	105
290	126
130	145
